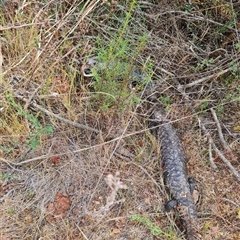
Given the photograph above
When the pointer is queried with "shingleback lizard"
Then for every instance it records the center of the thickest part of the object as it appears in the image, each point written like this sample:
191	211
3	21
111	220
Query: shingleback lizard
175	174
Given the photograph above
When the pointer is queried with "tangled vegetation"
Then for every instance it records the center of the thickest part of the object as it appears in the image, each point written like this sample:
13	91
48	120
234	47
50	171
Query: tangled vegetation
77	159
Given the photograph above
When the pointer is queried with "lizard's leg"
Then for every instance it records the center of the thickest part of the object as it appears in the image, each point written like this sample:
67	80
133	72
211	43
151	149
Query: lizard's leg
170	205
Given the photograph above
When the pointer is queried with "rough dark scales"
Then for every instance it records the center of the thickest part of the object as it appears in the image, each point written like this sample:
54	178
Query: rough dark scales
175	173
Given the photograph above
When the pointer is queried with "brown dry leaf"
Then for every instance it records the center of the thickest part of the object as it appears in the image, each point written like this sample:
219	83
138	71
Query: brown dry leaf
147	200
62	202
115	231
28	218
59	208
236	236
61	85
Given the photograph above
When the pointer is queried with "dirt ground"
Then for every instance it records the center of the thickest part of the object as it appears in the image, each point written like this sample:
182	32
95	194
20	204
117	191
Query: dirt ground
77	158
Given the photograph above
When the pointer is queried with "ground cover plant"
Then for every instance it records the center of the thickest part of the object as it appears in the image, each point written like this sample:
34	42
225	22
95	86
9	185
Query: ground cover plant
77	157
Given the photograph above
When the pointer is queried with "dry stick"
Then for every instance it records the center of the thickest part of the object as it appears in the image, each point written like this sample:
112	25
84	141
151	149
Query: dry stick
232	202
32	95
78	150
180	87
234	171
212	163
220	134
85	237
222	140
78	125
189	17
1	64
22	25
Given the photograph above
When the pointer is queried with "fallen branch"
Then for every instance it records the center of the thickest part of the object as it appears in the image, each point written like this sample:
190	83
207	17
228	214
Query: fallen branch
189	16
220	134
204	79
78	125
85	237
234	171
218	152
212	163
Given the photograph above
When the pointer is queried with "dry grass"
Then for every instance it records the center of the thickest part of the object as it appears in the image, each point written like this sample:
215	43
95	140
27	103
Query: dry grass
53	174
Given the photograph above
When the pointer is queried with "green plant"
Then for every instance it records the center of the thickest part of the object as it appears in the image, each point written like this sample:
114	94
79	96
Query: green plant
30	193
205	63
220	110
237	46
113	81
204	107
6	149
116	69
11	211
207	226
7	177
166	101
188	8
155	230
37	130
234	67
146	222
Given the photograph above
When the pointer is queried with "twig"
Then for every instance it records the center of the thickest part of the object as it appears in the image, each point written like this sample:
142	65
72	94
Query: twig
85	237
234	171
10	163
1	66
29	100
212	163
230	166
78	125
220	134
232	202
22	25
203	79
190	17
